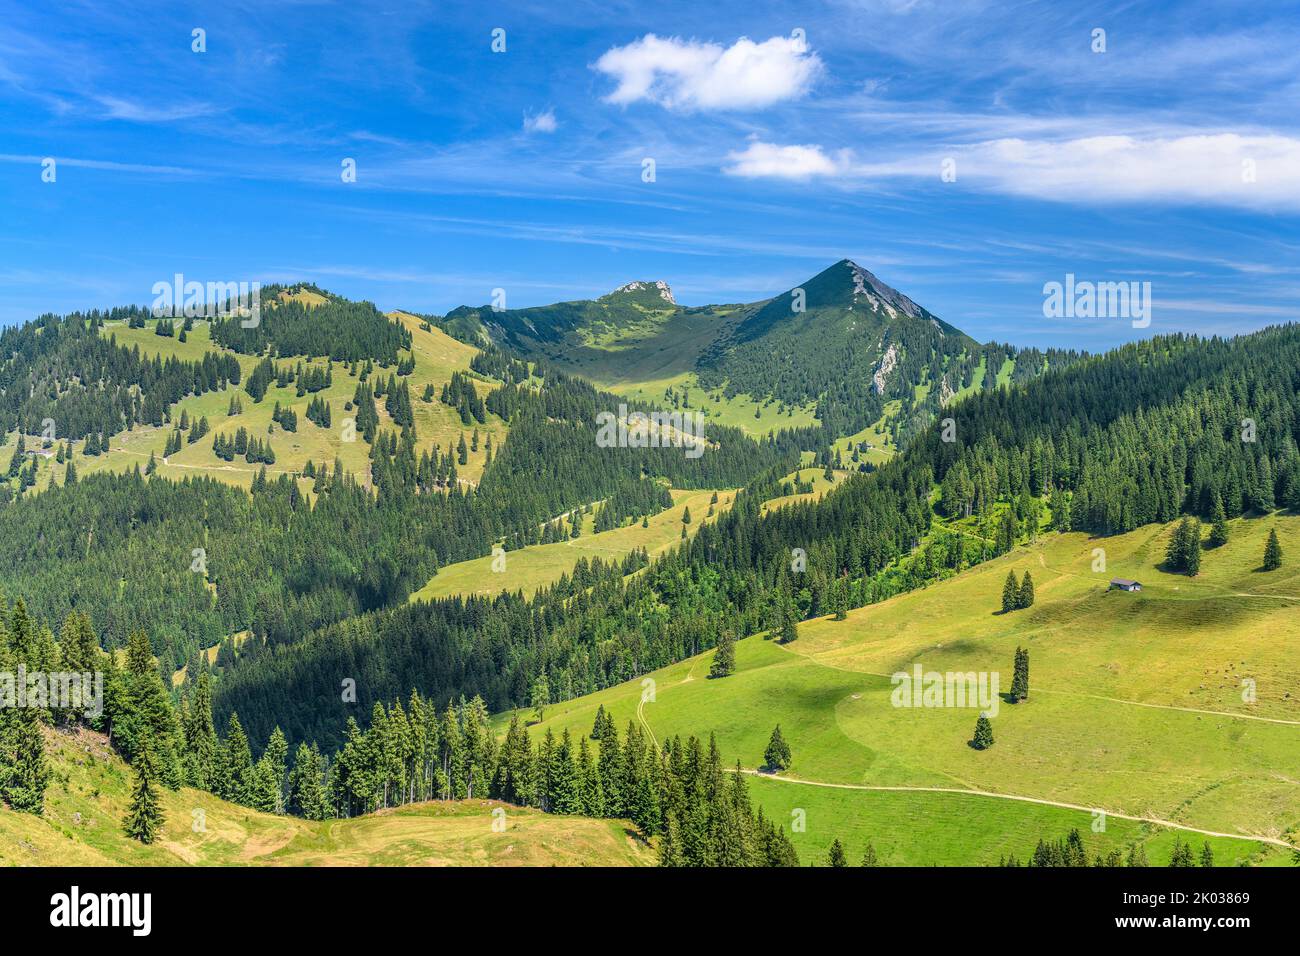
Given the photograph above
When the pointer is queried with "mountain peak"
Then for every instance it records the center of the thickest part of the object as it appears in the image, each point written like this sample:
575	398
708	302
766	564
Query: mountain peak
877	294
650	292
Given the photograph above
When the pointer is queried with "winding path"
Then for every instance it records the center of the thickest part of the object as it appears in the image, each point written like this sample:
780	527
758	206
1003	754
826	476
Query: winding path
1039	800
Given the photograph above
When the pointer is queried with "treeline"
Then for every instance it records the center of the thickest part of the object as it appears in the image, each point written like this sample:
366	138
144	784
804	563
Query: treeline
634	501
1071	852
342	330
63	370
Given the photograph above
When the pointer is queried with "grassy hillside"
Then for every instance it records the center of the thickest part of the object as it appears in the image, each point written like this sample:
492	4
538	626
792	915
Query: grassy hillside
89	791
436	357
539	565
1135	708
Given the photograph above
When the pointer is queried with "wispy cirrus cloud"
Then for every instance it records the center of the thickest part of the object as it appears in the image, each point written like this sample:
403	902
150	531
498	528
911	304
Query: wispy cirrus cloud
690	75
116	107
1248	171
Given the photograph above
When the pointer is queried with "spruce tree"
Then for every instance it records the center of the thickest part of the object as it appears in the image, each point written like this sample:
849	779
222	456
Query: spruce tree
724	658
1182	855
24	770
1207	854
983	734
1010	593
1192	560
836	855
869	857
1272	552
144	816
1026	596
777	754
1020	676
1219	530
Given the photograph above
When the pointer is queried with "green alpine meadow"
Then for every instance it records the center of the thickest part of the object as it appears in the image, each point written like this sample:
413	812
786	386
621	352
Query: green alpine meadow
474	471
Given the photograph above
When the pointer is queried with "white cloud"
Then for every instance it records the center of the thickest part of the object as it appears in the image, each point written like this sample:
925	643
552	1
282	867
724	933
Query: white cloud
540	123
137	112
688	74
1221	168
765	160
1249	171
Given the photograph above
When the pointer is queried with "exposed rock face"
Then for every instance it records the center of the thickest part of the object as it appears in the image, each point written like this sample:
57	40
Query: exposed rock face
665	292
880	296
887	363
945	392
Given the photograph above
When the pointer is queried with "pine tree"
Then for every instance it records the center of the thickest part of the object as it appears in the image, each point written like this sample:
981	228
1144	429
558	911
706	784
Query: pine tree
24	770
1272	552
1026	596
670	848
983	734
777	754
836	855
724	658
1182	855
1176	553
1219	530
1192	557
1207	855
200	735
1020	677
869	857
144	816
1010	593
839	601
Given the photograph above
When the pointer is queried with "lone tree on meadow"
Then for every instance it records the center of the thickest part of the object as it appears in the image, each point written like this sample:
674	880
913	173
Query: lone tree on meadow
1010	593
1272	552
836	856
1020	677
724	659
983	734
777	754
144	817
1026	597
1184	552
869	857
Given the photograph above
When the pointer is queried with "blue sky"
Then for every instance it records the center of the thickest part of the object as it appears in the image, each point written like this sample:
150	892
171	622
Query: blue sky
782	141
